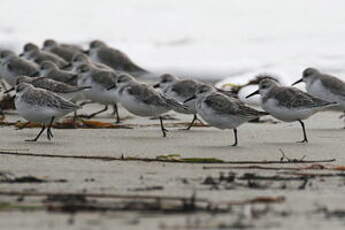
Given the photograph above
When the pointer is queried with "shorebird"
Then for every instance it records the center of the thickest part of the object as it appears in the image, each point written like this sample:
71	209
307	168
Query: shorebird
221	111
324	86
64	90
180	90
51	70
140	99
33	53
41	106
99	80
12	66
114	58
289	104
65	51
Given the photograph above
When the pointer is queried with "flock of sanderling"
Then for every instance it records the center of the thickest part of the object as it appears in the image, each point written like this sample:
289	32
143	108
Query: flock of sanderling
49	82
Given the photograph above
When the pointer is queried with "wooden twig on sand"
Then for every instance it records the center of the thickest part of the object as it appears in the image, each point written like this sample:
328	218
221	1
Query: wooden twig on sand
158	159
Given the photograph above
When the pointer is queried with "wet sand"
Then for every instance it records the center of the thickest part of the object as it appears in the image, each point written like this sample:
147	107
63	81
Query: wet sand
257	142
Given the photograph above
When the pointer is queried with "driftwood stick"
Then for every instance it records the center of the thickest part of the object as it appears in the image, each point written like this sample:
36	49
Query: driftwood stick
182	160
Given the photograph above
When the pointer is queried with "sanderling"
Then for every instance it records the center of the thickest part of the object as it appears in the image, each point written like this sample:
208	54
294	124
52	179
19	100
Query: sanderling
100	81
41	106
221	111
33	53
180	90
64	51
64	90
100	52
288	103
324	86
140	99
12	66
51	70
82	59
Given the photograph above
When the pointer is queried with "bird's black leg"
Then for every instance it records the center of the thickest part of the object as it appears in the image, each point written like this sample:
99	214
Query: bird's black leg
96	113
49	131
164	130
39	134
235	136
116	112
305	139
191	124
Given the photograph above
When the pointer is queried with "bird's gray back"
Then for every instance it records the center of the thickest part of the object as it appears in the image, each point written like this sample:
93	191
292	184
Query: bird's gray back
23	67
185	88
222	104
146	94
333	84
44	98
291	97
104	78
117	60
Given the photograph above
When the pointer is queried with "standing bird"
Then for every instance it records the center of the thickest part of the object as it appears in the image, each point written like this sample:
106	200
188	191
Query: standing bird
64	51
288	103
222	111
33	53
12	66
41	106
180	90
100	81
140	99
324	86
100	52
51	70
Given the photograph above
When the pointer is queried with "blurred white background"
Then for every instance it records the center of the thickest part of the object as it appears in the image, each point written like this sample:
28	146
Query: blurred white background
213	39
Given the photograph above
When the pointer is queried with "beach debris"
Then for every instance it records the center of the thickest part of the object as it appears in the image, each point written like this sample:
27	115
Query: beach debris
7	102
99	202
148	188
252	181
7	177
162	158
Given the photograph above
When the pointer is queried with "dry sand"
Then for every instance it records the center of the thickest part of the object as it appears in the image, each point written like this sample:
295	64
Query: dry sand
257	142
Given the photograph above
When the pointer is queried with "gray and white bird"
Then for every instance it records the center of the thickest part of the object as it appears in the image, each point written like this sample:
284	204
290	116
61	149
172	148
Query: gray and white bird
64	90
180	90
114	58
222	111
41	106
140	99
33	53
12	66
82	59
324	86
51	70
289	104
65	51
99	80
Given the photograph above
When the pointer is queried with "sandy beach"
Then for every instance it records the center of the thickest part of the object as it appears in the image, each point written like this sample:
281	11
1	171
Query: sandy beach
257	142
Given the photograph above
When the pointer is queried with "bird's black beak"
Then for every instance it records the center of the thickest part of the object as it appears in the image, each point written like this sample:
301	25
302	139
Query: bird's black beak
156	85
21	55
112	87
299	81
86	52
189	99
252	94
36	74
9	90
